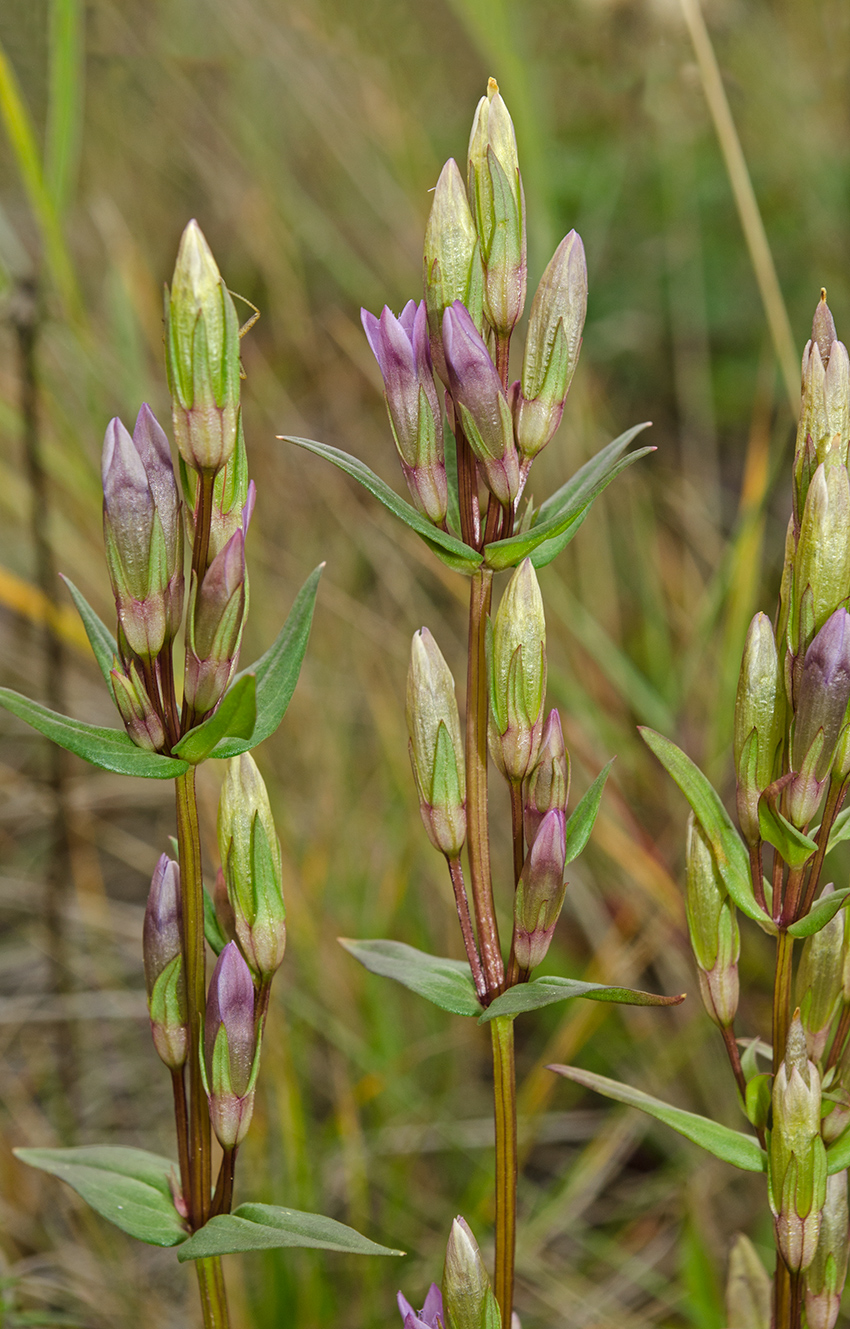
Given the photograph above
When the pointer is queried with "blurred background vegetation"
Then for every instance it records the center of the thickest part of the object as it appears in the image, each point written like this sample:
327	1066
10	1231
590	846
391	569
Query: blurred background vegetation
305	138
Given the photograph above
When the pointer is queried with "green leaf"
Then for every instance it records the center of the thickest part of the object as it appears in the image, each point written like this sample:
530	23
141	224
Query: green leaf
235	717
100	638
729	852
546	991
215	938
840	830
277	671
838	1154
795	847
263	1227
581	823
447	547
820	914
130	1187
447	983
758	1100
733	1147
110	749
560	516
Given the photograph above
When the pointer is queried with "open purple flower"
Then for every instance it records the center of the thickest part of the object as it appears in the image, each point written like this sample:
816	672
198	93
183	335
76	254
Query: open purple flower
431	1314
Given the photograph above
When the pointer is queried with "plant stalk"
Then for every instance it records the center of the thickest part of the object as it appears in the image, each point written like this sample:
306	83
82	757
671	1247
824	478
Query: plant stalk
782	997
504	1095
462	904
213	1294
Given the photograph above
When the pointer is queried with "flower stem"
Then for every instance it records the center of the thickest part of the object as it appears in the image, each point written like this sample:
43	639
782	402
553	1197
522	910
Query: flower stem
181	1121
504	1095
459	888
782	997
213	1294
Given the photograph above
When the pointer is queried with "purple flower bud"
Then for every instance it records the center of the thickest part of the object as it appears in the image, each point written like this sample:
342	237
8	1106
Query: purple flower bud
821	704
547	785
401	347
162	949
140	717
481	403
540	892
431	1314
230	1047
216	614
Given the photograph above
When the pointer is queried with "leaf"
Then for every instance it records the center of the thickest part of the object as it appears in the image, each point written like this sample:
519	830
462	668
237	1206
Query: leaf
277	671
130	1187
581	823
560	516
546	991
733	1147
820	914
795	847
236	717
263	1227
447	547
213	934
100	638
758	1100
729	852
840	830
838	1154
110	749
447	983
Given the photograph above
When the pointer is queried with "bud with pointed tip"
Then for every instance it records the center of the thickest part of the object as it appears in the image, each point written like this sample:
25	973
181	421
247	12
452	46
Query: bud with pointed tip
431	1314
826	1275
250	856
821	572
231	1048
821	701
481	404
547	784
748	1288
517	675
436	745
796	1169
400	346
540	892
162	950
202	356
468	1301
497	200
759	722
552	346
713	928
214	627
825	409
141	720
452	261
817	988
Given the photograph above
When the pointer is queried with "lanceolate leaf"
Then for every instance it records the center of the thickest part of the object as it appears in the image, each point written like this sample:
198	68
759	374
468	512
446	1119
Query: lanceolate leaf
100	638
838	1154
840	829
277	671
447	547
263	1227
729	852
820	914
546	991
733	1147
130	1187
215	938
447	983
795	847
110	749
236	717
581	822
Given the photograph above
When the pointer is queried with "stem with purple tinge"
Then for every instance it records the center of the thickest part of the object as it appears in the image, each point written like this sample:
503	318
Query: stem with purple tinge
504	1095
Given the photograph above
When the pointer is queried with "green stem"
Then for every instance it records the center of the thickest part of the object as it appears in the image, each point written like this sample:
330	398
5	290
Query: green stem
181	1121
781	1295
462	905
782	997
839	1039
504	1095
834	799
213	1294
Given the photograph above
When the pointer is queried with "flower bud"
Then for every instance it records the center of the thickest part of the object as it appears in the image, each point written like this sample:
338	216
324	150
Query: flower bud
400	345
214	627
540	892
713	928
431	1314
231	1048
821	698
497	200
821	574
817	988
759	722
468	1299
826	1275
234	495
547	784
796	1170
225	917
748	1290
162	950
202	356
436	746
552	346
141	720
452	260
481	404
250	856
825	409
517	669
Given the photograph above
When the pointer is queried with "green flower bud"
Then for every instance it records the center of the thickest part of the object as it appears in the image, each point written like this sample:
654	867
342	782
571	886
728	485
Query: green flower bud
141	720
748	1289
202	356
540	892
517	675
713	928
796	1171
498	206
251	862
452	260
163	958
821	574
759	722
468	1301
436	746
547	785
824	425
817	988
826	1275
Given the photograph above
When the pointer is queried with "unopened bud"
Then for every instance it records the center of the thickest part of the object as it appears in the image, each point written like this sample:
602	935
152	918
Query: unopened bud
162	950
481	404
821	700
817	988
468	1300
796	1155
759	722
547	784
452	260
540	892
436	746
141	720
231	1048
713	928
825	409
552	346
214	627
498	206
821	576
400	345
250	857
748	1288
518	675
826	1275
